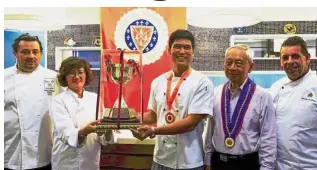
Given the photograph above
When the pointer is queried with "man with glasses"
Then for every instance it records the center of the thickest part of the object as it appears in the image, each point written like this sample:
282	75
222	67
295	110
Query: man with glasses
28	89
241	133
295	102
179	101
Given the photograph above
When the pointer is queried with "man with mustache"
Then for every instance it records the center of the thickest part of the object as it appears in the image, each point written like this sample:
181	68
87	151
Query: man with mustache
241	134
295	102
179	101
28	89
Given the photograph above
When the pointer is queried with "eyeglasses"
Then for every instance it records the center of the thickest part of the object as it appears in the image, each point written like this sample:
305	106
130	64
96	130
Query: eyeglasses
237	63
74	73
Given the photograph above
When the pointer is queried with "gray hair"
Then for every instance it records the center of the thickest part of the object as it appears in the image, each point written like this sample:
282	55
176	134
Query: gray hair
248	51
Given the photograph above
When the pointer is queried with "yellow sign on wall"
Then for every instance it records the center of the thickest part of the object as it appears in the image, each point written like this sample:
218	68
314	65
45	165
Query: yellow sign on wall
289	28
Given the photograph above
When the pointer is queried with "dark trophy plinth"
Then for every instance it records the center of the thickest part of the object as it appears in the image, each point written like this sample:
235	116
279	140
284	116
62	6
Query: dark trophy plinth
127	120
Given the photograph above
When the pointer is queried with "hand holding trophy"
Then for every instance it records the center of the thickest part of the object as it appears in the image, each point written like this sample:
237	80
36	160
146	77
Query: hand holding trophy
142	132
120	77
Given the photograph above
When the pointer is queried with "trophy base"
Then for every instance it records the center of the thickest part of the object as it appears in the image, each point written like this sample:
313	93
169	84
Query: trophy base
127	120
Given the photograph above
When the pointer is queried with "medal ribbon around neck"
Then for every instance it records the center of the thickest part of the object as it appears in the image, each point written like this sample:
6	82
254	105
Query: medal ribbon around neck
232	128
169	117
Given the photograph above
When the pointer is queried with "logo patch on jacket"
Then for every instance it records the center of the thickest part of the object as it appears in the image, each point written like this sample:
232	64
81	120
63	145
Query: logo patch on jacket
49	85
309	96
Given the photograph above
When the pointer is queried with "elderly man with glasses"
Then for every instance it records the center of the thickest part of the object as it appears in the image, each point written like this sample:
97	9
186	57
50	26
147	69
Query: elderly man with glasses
241	133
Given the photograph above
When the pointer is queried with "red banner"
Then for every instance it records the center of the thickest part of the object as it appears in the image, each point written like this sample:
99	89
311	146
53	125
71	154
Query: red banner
146	30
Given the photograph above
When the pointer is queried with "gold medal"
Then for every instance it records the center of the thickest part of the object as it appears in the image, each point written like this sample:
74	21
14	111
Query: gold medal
229	142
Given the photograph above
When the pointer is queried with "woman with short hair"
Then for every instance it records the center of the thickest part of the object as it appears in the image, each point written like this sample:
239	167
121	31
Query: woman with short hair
75	145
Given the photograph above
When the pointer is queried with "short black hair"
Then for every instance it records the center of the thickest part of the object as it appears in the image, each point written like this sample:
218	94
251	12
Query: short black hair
71	63
181	34
25	37
296	40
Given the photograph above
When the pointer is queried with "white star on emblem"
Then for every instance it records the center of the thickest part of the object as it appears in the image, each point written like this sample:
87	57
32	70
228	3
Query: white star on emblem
154	32
128	37
147	49
141	22
137	23
154	38
134	48
146	23
128	31
151	45
130	44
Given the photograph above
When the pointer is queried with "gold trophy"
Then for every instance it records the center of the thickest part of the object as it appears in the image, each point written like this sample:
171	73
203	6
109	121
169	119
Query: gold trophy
120	116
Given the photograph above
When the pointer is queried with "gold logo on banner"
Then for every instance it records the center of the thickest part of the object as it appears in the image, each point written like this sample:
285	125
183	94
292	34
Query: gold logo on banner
141	35
289	28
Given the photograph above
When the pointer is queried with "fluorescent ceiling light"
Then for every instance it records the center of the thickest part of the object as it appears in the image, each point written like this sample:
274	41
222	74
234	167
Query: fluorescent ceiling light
34	19
222	17
224	21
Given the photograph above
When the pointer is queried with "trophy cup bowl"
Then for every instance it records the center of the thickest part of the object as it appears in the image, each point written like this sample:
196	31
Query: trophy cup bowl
125	112
127	73
127	115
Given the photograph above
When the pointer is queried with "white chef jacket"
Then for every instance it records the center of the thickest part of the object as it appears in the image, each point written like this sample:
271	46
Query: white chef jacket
295	105
69	114
27	127
195	96
257	134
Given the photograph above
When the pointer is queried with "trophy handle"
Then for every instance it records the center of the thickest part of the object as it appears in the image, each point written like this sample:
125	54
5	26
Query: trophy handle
108	66
135	67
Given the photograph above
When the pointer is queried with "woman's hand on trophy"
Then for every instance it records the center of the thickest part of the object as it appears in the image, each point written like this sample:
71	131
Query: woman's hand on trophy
138	115
89	128
117	131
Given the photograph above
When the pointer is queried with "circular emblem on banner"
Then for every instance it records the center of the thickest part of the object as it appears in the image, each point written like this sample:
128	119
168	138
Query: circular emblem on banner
169	118
289	28
144	30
